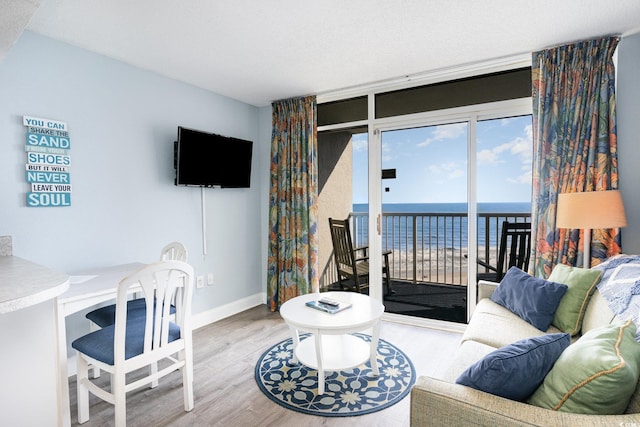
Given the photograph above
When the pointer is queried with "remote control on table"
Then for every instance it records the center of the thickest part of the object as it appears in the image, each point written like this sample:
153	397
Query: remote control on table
329	301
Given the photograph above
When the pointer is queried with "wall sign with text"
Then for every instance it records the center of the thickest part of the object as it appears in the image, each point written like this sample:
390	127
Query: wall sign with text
48	162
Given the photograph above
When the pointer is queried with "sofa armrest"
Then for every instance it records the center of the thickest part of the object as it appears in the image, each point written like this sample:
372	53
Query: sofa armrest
438	403
486	288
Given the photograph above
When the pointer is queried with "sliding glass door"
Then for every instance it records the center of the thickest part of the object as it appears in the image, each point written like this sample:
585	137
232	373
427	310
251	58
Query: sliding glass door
445	189
424	196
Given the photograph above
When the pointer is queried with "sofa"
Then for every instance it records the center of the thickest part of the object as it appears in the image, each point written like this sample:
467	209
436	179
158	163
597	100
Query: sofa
443	402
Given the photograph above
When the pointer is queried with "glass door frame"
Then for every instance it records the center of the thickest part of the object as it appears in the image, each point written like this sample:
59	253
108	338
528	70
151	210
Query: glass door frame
470	114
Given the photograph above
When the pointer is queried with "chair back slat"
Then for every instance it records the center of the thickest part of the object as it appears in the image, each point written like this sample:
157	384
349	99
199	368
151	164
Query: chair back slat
342	243
515	247
174	251
159	283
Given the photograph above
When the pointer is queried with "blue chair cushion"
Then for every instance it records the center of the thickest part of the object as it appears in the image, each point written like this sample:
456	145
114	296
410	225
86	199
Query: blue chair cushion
99	345
105	316
533	299
516	370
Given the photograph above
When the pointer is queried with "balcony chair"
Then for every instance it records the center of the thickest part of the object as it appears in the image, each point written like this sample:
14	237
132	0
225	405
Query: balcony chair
106	316
134	343
353	263
514	250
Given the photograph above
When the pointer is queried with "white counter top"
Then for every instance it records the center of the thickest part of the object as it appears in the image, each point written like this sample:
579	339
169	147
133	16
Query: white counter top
24	283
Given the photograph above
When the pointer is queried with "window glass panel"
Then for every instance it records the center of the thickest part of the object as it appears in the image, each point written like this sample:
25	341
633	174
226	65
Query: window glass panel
504	153
455	93
342	182
343	111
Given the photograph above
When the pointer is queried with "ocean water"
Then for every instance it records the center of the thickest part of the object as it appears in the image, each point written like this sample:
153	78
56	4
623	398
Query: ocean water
519	207
443	225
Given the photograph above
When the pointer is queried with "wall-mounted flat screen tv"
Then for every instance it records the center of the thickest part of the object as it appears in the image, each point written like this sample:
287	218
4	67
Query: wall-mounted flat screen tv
208	160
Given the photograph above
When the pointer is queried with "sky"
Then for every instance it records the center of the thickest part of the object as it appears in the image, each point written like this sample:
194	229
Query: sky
431	163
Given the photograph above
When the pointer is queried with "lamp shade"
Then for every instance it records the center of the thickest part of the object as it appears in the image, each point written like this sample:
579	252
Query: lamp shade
590	210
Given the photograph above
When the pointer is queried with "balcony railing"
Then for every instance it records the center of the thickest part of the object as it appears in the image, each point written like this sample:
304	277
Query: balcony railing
431	247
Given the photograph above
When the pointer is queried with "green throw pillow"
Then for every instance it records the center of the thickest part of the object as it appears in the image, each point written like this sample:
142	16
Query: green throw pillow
582	283
595	375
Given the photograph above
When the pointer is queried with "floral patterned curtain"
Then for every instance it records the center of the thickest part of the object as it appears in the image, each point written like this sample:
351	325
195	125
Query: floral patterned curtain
293	206
575	148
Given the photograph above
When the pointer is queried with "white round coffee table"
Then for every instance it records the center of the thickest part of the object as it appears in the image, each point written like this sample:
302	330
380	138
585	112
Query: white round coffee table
333	347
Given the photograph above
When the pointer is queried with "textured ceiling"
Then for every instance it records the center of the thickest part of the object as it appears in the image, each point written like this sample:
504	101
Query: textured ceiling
258	51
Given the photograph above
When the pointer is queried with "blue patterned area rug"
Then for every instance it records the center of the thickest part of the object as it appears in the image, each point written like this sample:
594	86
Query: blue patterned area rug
348	393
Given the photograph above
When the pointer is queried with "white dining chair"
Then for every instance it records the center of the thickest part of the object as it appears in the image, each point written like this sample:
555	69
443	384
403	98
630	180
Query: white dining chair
105	316
131	344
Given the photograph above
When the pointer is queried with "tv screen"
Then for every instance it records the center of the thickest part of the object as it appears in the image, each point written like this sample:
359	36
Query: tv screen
207	160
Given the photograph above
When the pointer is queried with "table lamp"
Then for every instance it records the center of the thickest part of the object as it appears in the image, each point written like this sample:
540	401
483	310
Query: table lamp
590	210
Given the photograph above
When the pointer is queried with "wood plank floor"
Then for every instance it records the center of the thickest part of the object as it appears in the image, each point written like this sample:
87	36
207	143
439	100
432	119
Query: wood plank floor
226	394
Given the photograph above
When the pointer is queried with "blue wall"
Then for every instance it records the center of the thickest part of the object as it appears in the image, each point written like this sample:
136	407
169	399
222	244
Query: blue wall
122	122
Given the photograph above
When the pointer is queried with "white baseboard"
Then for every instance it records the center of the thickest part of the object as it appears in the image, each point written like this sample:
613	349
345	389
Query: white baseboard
218	313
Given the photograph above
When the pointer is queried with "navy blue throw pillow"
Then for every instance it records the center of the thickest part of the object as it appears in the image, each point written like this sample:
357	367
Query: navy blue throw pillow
535	300
516	370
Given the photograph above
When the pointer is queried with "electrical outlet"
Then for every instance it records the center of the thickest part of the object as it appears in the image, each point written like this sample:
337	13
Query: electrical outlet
200	281
210	279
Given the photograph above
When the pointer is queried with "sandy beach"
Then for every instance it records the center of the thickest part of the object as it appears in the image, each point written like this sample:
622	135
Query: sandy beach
444	265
